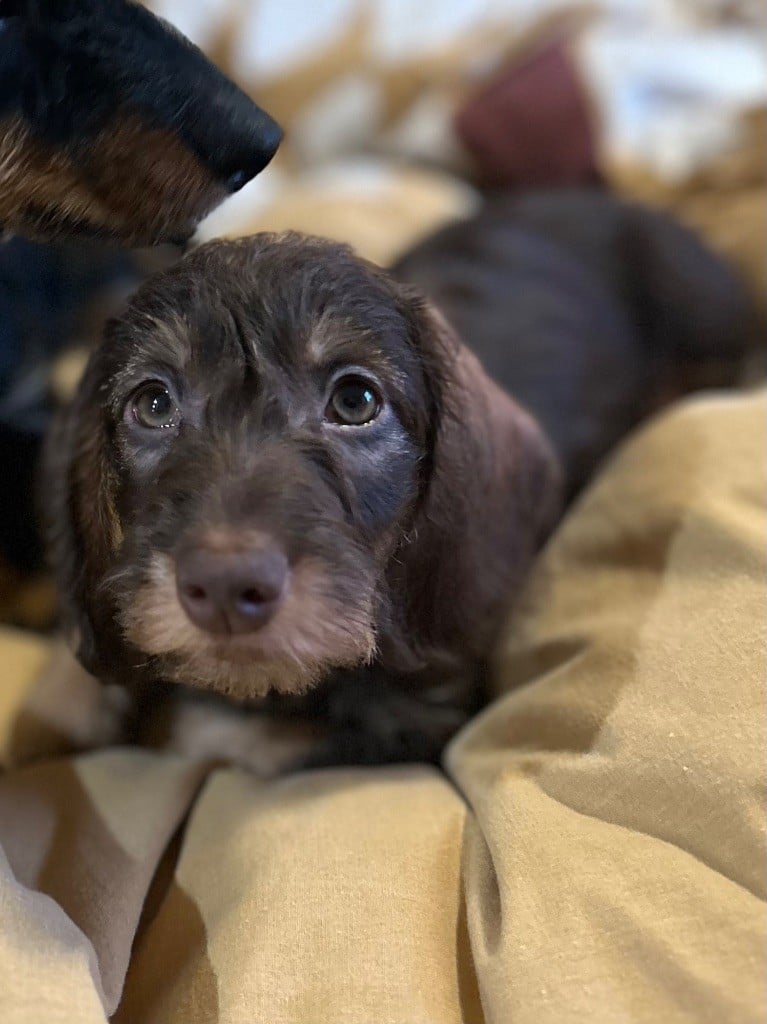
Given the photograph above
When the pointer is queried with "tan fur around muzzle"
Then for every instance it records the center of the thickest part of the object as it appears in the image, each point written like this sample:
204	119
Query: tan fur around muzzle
310	633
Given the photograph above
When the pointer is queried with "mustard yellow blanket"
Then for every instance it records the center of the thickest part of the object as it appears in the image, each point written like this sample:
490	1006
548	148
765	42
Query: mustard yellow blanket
595	851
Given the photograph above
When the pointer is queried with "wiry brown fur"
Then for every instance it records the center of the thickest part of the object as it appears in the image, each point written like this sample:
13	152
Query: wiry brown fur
407	539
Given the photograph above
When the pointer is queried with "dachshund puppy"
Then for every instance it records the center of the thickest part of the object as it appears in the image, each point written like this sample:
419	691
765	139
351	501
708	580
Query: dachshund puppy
593	312
112	125
285	480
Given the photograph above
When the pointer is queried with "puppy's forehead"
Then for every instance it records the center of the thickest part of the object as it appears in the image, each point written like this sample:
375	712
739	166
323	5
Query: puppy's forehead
293	303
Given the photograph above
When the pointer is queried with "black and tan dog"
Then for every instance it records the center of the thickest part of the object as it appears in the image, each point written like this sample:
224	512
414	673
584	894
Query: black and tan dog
112	125
113	128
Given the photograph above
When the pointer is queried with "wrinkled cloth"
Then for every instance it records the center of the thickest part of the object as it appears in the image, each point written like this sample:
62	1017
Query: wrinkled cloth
594	852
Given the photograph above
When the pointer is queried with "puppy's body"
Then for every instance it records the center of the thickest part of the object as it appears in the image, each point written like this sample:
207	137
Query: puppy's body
114	126
372	562
592	312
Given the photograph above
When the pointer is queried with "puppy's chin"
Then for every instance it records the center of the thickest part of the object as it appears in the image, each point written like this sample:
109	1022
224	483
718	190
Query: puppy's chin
312	634
240	680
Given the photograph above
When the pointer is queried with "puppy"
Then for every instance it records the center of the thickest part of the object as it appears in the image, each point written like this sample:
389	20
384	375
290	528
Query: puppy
593	312
112	125
285	480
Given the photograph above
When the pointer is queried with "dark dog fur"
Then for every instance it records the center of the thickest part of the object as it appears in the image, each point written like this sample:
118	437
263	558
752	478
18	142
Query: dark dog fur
112	125
592	312
407	539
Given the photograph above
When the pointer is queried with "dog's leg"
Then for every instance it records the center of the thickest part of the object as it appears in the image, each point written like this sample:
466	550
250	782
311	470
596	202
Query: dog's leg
208	728
373	720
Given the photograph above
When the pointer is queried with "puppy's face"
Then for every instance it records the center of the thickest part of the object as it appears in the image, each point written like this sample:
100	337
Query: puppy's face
258	478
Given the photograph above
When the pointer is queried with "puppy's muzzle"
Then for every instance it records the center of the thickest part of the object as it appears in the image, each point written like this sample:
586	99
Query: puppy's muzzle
231	592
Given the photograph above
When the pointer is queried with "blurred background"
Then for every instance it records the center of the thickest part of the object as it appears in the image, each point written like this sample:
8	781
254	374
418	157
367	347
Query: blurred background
401	115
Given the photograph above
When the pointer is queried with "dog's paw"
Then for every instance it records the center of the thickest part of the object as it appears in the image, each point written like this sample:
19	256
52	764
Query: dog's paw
226	734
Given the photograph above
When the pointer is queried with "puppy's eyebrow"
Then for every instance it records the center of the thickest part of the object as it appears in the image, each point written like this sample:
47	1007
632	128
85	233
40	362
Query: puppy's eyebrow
155	344
161	338
335	339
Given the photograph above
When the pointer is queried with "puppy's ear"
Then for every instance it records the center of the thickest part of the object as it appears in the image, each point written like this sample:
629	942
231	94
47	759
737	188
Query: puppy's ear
81	525
492	495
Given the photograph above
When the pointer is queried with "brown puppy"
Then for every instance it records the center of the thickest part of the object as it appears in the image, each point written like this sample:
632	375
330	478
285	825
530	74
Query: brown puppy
284	475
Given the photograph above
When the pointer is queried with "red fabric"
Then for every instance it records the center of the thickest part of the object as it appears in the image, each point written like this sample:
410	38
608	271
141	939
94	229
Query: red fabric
531	125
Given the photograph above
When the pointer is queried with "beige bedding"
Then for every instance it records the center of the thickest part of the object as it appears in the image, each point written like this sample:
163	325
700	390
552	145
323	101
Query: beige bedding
596	852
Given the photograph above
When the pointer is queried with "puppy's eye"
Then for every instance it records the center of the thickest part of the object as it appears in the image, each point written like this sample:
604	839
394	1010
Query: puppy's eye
153	407
354	403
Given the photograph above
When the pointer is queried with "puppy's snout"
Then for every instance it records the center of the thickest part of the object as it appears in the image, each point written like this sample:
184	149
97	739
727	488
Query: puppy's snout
231	591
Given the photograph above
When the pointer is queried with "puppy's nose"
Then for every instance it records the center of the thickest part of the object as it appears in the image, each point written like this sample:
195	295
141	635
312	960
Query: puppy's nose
230	591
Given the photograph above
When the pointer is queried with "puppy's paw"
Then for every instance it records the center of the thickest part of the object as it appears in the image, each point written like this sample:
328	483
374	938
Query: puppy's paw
372	722
227	734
